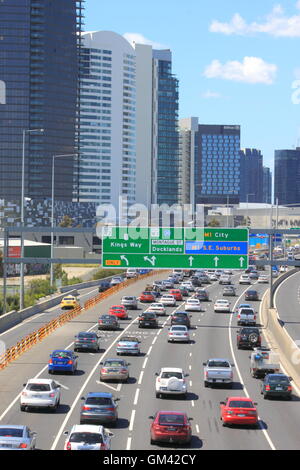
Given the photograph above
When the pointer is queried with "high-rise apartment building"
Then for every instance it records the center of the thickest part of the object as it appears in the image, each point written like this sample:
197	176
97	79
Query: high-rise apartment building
251	175
287	176
107	121
39	50
188	129
158	163
267	185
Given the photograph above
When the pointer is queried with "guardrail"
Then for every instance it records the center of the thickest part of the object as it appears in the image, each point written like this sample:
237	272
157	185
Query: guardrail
35	337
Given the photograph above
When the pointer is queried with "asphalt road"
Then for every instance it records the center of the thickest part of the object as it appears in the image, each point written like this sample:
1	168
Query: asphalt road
212	335
289	311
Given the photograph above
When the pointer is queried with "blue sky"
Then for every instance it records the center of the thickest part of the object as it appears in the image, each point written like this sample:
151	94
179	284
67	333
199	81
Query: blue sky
237	62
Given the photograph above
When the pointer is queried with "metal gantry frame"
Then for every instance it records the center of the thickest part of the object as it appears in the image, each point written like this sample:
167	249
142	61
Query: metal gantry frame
22	230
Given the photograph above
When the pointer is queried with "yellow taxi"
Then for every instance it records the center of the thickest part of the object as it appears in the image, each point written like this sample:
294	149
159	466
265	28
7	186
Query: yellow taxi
69	302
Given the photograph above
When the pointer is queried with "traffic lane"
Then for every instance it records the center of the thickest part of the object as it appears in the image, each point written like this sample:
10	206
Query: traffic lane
289	311
278	417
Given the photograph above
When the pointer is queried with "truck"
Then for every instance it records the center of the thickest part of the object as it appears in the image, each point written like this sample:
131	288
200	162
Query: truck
246	316
263	362
218	371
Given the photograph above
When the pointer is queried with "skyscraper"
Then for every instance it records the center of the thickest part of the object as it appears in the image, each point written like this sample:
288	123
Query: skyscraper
188	129
267	185
107	167
39	52
251	175
287	176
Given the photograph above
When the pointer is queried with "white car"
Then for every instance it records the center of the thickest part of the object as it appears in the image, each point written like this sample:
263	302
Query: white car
170	381
222	305
88	437
188	285
244	279
212	277
178	333
115	281
263	278
158	308
192	305
168	300
40	393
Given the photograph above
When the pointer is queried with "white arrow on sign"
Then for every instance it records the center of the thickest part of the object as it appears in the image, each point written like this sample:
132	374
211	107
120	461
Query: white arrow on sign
191	259
216	259
125	259
151	260
241	259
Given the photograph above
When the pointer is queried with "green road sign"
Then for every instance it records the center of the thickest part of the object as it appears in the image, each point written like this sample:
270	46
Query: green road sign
126	247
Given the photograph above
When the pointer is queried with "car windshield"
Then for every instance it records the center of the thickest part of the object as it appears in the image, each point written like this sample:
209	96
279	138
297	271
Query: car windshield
87	335
240	404
193	301
38	387
218	364
147	293
246	311
114	364
168	375
129	339
99	401
245	331
11	432
179	328
148	315
169	419
180	314
88	437
157	305
278	380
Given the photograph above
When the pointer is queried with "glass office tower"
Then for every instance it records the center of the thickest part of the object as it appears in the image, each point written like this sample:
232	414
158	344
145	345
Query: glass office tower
287	176
39	50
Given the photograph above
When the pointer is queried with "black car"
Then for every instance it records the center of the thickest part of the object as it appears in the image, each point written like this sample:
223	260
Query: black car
148	319
202	295
251	295
229	290
248	337
181	318
87	340
108	322
276	385
103	286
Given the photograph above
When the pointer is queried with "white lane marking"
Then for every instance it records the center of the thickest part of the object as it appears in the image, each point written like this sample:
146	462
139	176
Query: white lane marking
128	447
191	354
136	397
154	341
141	378
63	386
193	403
132	420
149	350
107	385
239	373
145	362
190	367
191	383
197	428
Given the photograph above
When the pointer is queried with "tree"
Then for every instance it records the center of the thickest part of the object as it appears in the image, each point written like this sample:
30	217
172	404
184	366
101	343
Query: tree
214	223
66	222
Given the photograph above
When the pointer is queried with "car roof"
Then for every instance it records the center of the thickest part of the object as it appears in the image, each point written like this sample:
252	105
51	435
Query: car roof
40	381
240	398
218	359
61	350
168	412
14	426
87	428
171	369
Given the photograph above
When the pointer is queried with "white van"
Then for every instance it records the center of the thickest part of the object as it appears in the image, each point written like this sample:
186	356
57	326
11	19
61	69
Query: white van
131	272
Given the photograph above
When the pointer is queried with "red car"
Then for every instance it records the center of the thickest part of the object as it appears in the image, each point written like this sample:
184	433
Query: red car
119	311
176	293
239	410
171	426
147	296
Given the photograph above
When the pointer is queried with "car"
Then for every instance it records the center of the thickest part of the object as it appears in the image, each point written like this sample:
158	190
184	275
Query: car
248	337
254	275
218	372
131	273
62	360
222	305
192	305
202	295
116	280
178	333
224	279
147	296
188	285
212	277
180	318
114	369
100	408
229	291
228	272
263	279
239	410
219	272
118	311
17	437
130	302
103	286
244	279
283	269
176	293
168	284
204	279
128	345
276	385
88	437
251	295
246	316
242	306
195	280
40	393
184	291
159	284
170	381
158	308
147	319
69	301
170	426
108	322
168	300
87	340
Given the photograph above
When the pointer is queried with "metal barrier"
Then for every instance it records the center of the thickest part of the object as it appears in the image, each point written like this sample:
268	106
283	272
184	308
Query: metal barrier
11	354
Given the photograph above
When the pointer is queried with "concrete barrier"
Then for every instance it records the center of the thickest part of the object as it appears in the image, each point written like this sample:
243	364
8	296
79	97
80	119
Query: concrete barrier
8	320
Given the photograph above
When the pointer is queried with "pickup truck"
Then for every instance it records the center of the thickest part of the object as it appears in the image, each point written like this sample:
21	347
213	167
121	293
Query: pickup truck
246	316
263	362
218	371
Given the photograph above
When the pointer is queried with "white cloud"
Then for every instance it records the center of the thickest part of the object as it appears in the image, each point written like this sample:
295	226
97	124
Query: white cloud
211	95
136	38
250	70
276	24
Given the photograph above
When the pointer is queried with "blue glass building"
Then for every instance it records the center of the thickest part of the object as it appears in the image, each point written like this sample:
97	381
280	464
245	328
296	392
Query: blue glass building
287	176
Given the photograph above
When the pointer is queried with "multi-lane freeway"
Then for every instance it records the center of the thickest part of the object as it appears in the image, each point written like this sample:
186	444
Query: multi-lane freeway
212	335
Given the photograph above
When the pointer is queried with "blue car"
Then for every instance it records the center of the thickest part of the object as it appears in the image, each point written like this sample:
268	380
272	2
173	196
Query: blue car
62	361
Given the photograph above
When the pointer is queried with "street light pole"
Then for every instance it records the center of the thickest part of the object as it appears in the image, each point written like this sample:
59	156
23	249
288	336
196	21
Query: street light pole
22	213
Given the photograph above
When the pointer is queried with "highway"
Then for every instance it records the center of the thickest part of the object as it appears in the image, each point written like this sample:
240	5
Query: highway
212	335
289	311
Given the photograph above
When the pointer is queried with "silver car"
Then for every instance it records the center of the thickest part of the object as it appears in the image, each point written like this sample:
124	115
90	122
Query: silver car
16	437
114	369
40	393
129	302
178	333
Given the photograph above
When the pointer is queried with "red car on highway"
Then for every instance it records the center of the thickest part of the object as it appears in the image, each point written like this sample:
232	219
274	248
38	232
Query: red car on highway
119	311
147	296
176	293
239	410
171	426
